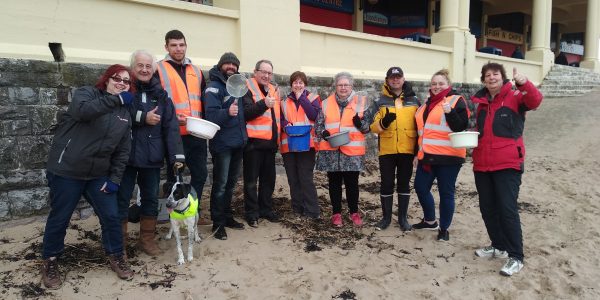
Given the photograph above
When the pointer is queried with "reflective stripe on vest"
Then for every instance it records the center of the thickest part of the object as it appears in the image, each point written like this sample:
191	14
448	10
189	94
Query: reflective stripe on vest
185	96
190	212
262	126
334	124
433	134
296	117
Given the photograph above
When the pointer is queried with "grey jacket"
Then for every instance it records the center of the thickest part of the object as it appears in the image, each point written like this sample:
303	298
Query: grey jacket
93	138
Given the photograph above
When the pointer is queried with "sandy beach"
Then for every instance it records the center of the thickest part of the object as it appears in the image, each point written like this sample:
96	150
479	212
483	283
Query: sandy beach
301	259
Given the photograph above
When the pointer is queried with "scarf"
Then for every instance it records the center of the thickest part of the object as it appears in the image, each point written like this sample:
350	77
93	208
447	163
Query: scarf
435	99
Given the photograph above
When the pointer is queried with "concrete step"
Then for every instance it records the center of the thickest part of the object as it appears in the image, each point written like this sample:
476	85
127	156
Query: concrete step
567	87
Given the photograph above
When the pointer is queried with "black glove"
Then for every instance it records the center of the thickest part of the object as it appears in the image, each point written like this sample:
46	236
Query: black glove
357	121
126	98
325	134
388	118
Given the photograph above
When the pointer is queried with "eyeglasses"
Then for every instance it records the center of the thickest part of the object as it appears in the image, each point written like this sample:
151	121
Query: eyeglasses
344	85
265	72
119	80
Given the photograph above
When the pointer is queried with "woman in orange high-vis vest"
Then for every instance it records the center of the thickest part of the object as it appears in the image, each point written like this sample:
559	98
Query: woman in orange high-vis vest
300	108
343	110
444	112
262	114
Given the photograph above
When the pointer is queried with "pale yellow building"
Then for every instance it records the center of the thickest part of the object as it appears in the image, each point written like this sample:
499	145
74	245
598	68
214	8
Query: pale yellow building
107	31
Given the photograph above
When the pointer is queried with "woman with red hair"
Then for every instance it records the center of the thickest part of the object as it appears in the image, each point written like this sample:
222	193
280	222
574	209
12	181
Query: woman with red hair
87	157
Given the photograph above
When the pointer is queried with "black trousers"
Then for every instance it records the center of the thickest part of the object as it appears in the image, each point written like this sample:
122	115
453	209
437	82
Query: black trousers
395	169
498	194
350	180
299	170
259	183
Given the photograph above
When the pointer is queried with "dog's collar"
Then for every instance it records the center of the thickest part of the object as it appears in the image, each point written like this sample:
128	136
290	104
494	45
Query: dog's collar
183	210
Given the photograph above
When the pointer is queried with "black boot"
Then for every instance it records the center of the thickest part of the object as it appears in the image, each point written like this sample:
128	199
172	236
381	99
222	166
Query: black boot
403	212
386	206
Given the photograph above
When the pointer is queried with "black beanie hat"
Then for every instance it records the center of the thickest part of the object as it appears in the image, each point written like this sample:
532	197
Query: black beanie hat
228	57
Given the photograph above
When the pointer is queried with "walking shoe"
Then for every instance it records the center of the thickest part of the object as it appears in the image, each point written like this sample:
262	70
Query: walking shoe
491	252
425	225
120	266
443	235
336	220
233	224
220	232
50	274
252	222
272	217
356	219
512	266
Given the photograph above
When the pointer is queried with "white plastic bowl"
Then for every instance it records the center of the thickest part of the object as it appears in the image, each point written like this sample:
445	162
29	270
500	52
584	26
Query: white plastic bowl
464	139
201	128
339	139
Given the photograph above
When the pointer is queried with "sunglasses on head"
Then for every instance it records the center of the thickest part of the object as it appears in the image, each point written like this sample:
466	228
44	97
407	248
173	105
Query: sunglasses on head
119	80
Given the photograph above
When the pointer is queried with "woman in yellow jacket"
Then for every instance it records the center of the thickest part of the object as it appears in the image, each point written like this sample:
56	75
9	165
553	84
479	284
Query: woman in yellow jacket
395	125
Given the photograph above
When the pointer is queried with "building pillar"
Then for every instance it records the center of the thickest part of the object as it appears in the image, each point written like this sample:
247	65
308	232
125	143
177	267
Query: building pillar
454	33
267	26
358	17
591	55
541	22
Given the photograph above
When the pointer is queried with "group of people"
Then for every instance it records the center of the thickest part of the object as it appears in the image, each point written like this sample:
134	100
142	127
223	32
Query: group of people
119	132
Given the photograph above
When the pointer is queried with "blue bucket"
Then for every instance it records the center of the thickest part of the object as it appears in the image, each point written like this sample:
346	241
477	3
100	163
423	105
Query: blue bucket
298	137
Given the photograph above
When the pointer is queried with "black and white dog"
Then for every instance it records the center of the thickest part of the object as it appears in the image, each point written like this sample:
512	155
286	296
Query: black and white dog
182	204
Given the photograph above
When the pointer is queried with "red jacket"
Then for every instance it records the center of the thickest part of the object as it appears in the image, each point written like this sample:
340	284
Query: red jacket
500	123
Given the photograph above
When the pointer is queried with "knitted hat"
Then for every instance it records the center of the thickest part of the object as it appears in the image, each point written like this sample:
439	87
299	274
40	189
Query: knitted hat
228	57
394	71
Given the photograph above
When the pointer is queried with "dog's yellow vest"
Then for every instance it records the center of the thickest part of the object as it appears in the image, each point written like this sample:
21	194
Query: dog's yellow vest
190	212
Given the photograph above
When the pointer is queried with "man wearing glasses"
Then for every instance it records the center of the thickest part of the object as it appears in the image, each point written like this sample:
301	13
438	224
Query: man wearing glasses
262	115
184	83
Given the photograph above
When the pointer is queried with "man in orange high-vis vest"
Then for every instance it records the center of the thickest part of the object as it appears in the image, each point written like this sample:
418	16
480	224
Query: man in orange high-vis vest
184	83
262	113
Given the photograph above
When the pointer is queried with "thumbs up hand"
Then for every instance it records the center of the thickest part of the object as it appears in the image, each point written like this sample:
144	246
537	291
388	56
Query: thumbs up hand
388	118
446	107
519	79
233	108
152	118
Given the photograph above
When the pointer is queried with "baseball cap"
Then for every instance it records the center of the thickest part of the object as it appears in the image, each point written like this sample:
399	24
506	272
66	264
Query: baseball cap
394	71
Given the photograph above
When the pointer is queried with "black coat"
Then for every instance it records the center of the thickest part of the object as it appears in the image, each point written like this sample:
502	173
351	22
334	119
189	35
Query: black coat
150	144
92	139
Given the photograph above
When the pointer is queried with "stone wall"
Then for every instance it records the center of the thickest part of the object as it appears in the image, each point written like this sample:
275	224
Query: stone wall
33	92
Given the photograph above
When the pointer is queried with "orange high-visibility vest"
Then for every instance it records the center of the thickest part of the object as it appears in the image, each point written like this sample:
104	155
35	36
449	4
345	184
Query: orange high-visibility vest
335	124
296	117
262	126
185	96
433	134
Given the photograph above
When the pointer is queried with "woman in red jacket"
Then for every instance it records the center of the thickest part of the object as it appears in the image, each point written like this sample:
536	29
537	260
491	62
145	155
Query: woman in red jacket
498	160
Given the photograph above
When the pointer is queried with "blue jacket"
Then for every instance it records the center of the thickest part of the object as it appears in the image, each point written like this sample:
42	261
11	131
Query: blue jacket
217	101
151	144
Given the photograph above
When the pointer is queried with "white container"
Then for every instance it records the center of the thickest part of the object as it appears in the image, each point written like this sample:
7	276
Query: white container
201	128
339	139
464	139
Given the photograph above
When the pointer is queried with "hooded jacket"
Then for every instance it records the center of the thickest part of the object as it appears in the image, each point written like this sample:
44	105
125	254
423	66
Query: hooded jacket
217	101
92	139
150	144
500	122
401	135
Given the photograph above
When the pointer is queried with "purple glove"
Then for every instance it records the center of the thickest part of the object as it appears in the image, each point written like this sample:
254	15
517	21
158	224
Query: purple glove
109	187
126	98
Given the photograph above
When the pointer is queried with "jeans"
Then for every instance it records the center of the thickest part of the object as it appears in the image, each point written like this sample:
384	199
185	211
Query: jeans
446	179
299	168
148	180
226	171
350	180
498	194
259	183
65	193
195	152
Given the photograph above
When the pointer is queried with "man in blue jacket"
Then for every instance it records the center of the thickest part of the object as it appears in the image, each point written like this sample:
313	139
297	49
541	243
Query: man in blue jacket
155	132
227	146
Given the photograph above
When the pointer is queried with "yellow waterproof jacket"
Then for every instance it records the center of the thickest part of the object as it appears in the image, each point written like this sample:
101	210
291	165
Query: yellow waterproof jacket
401	135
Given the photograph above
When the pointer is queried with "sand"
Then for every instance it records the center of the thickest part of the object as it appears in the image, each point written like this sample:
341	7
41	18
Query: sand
297	259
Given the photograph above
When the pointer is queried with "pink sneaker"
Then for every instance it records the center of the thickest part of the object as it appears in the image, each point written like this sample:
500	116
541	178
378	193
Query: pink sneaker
355	217
336	220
